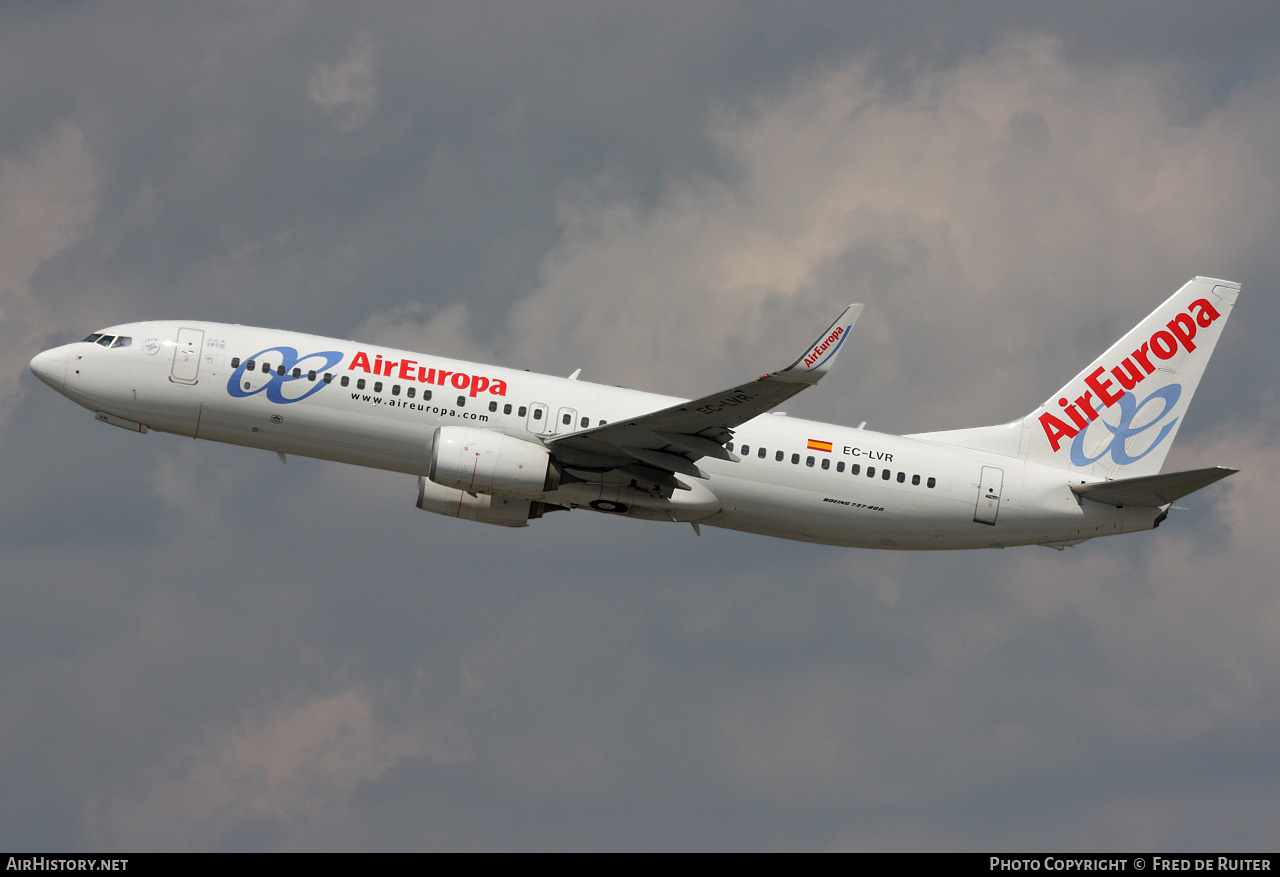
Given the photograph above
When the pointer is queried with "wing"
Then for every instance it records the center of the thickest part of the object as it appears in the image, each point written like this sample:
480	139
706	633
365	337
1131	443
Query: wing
673	439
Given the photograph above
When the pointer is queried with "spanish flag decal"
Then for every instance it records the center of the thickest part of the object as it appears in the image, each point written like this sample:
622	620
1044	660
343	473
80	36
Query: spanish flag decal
815	445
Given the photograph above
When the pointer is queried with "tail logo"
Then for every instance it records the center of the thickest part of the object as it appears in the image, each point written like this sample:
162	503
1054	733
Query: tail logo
1100	388
1124	429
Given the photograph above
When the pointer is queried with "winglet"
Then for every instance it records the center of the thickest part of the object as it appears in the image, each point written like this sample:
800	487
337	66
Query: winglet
817	359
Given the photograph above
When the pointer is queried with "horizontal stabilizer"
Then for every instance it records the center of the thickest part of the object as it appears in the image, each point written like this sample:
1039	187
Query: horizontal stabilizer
1152	491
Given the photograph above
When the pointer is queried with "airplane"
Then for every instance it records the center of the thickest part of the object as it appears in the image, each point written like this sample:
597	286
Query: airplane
503	446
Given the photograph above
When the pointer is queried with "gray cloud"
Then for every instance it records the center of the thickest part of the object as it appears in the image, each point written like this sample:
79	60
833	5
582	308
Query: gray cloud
347	91
206	650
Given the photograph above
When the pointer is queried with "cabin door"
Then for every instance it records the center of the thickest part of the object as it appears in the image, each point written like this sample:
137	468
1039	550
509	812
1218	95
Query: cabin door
186	356
989	495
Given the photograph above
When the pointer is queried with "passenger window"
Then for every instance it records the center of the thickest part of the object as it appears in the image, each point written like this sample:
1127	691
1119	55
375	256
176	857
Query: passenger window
346	381
506	409
105	340
411	392
311	375
568	419
729	447
280	370
377	386
360	384
760	452
855	468
235	362
297	373
123	341
902	477
523	410
915	480
328	377
395	389
602	423
462	401
537	414
932	481
871	471
250	364
778	456
426	395
746	449
808	461
826	463
493	406
795	459
585	422
885	474
840	466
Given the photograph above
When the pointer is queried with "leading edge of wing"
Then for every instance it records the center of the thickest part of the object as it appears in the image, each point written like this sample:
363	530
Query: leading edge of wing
695	429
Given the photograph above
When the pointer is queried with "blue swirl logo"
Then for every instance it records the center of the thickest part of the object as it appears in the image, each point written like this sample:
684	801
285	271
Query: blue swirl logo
1124	430
283	374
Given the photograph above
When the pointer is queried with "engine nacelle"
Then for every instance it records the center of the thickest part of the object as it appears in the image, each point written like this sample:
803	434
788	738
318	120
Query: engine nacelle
501	510
484	461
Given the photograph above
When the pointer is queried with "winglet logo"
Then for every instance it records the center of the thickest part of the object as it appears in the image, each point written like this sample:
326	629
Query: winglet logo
1164	344
290	369
815	357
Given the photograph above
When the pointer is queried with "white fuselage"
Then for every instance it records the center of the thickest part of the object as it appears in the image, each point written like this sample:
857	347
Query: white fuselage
191	379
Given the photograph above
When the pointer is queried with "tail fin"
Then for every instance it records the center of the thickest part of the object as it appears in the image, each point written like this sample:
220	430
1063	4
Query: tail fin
1118	417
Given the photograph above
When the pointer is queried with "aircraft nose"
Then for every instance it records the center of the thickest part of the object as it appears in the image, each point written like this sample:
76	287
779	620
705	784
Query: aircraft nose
51	366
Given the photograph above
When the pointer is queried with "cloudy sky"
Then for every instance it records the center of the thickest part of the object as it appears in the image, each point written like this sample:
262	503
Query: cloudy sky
203	649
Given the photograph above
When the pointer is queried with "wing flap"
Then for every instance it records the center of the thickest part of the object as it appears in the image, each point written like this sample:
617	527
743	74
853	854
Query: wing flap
669	462
1152	491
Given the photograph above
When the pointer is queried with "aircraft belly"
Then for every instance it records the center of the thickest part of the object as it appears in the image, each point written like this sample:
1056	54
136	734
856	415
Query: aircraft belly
820	510
321	432
696	504
847	512
135	391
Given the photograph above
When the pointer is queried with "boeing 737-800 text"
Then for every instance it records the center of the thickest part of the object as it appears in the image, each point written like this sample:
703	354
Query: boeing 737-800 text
503	446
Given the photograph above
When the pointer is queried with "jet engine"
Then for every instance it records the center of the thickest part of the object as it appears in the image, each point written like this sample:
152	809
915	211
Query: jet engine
485	461
501	510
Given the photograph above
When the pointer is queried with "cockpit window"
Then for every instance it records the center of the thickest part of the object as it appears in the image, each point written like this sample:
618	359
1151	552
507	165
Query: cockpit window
105	340
92	338
122	341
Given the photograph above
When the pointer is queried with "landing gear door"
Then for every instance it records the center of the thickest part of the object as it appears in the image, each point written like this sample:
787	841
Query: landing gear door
186	356
989	495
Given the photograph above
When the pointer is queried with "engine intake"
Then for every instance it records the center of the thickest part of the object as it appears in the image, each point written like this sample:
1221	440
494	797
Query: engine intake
483	461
